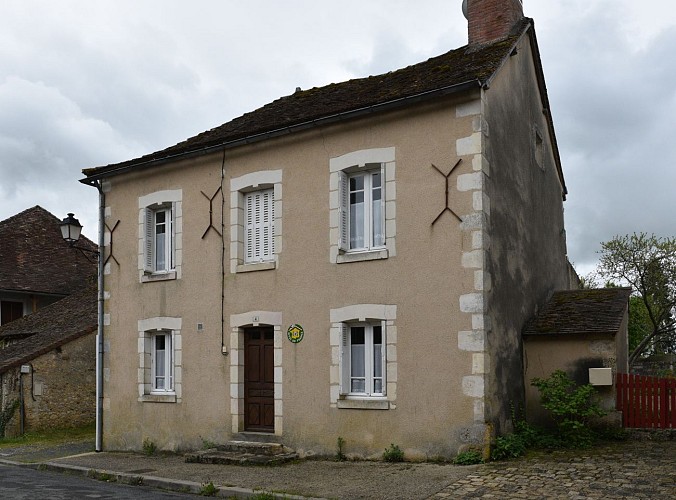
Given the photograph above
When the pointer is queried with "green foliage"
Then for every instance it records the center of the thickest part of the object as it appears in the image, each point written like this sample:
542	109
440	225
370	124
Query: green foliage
393	454
509	446
208	489
149	448
469	457
6	415
648	264
208	445
340	446
571	407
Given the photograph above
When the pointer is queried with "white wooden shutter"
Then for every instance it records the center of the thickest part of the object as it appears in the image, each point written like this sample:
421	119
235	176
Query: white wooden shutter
249	244
343	216
267	225
344	363
172	235
148	240
259	238
383	353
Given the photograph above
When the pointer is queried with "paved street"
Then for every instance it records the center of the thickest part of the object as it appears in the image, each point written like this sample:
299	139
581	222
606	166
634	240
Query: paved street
18	483
632	470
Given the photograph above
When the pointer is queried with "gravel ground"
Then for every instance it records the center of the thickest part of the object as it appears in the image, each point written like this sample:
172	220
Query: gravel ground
315	478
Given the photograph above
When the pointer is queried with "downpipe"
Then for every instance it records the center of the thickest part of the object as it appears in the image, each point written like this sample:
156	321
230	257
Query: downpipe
99	332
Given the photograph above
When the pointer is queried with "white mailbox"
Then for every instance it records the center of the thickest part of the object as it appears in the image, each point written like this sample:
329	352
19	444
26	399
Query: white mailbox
601	376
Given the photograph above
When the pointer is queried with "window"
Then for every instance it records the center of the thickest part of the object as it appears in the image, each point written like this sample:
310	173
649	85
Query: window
259	239
363	222
160	240
362	206
10	310
162	367
255	221
159	348
363	369
364	359
160	235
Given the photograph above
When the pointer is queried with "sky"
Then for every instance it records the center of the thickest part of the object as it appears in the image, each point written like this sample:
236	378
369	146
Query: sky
87	83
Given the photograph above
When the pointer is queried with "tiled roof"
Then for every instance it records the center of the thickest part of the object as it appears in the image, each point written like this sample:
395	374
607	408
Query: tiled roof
35	258
451	70
50	327
581	311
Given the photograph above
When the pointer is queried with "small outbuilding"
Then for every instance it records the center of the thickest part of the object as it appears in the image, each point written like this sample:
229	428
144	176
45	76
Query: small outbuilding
583	333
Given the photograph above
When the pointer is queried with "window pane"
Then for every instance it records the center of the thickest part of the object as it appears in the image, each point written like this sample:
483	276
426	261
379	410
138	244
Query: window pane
357	225
356	183
160	257
160	368
358	385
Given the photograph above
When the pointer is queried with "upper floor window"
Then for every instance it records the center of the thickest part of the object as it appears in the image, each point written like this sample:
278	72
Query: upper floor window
255	221
259	239
160	239
362	200
363	223
160	235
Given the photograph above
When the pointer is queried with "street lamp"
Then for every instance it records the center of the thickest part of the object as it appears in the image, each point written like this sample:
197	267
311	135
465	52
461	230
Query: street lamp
71	229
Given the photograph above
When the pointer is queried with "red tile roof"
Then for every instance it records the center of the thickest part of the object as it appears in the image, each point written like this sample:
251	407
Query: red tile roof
34	257
50	327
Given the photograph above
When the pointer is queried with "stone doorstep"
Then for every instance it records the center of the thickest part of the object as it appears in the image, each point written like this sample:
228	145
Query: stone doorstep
243	453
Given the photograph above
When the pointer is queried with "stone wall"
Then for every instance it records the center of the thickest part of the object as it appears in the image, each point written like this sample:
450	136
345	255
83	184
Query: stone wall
61	390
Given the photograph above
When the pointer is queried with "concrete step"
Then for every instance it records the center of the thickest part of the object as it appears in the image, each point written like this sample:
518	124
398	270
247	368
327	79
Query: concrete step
244	453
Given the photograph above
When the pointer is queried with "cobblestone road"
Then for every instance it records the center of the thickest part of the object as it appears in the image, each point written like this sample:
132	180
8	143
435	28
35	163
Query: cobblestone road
635	470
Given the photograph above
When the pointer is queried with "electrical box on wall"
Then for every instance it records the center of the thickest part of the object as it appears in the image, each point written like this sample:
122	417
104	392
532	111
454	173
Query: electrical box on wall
25	368
601	376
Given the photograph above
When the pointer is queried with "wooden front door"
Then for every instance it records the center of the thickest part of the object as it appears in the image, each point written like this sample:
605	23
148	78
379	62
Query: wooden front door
259	380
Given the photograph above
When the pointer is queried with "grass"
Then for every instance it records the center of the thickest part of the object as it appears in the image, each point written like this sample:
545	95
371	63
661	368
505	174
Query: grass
53	436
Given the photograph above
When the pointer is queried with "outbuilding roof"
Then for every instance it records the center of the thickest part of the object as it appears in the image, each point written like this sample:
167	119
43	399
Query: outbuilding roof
599	311
465	68
49	327
35	258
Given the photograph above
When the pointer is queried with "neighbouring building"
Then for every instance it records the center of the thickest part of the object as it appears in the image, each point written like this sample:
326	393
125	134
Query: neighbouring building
356	260
583	333
49	318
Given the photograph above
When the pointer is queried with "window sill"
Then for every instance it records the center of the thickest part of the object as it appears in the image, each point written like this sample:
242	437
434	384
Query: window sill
158	398
363	404
362	256
258	266
147	278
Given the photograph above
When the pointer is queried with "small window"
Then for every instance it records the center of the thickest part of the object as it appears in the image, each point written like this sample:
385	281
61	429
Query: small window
259	240
10	310
161	363
159	255
539	150
363	360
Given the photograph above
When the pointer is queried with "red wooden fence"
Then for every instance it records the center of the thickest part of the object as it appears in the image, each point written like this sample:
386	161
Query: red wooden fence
646	402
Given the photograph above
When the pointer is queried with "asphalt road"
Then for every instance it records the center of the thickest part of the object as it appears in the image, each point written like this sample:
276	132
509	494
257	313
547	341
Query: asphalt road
18	483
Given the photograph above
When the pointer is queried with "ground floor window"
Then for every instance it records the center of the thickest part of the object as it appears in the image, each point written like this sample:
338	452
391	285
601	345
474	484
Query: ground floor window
161	362
364	359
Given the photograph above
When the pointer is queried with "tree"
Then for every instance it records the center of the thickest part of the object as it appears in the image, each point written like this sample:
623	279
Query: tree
648	264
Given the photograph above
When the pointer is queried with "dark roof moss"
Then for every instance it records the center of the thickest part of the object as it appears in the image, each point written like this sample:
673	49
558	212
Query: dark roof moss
50	327
598	311
464	65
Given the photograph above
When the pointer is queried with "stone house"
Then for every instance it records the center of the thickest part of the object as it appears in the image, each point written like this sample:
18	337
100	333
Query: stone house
50	371
356	260
49	319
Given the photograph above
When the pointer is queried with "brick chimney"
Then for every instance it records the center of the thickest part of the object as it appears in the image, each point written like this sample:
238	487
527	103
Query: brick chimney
490	20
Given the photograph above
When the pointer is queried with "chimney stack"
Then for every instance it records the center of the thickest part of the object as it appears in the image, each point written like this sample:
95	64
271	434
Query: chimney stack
490	20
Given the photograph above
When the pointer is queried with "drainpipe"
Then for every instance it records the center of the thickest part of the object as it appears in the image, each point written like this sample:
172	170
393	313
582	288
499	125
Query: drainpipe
99	332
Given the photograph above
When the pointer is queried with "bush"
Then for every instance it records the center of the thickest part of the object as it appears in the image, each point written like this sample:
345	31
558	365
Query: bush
149	448
393	454
469	457
571	407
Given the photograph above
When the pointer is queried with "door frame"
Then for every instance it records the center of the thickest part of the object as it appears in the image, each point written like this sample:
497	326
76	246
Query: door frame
238	323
